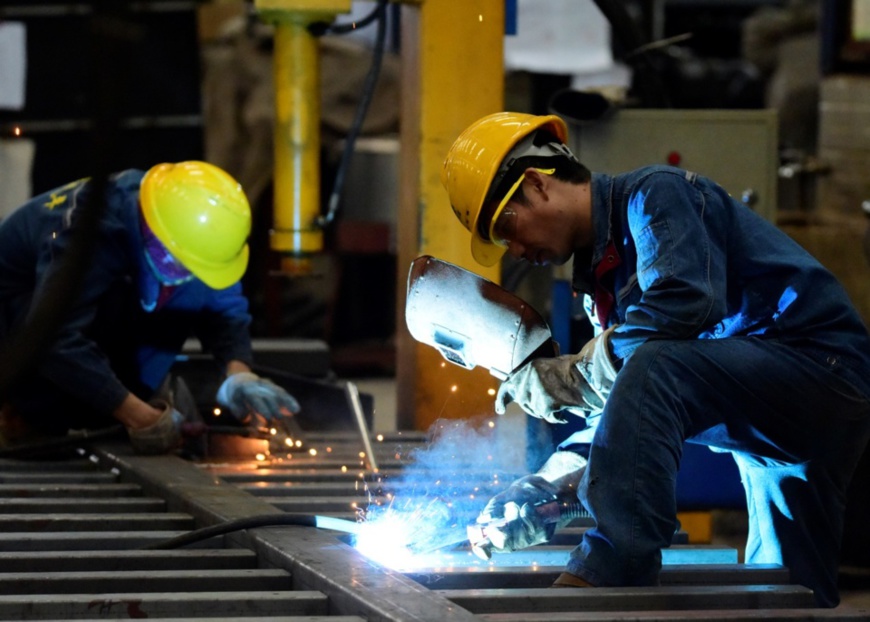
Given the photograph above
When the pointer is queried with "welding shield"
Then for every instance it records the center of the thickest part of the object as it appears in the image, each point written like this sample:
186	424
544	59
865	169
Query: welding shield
472	321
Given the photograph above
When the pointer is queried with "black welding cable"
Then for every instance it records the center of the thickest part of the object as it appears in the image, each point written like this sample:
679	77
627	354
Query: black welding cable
324	28
361	110
74	439
250	522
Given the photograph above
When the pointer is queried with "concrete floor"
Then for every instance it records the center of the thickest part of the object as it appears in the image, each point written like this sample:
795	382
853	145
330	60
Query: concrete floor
727	526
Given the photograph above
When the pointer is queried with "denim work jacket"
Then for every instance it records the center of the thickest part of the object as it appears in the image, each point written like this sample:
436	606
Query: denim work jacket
675	257
109	342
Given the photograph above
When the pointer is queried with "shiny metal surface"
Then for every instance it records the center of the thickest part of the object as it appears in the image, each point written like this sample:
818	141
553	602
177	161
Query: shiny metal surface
71	567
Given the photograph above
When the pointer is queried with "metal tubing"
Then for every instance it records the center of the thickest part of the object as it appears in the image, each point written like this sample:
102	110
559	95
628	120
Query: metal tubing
297	139
353	398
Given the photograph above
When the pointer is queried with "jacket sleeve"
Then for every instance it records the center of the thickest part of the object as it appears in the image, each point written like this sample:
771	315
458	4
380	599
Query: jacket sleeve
225	326
680	263
75	362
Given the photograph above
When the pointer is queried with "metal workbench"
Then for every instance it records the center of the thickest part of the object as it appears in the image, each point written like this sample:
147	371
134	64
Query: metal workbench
72	533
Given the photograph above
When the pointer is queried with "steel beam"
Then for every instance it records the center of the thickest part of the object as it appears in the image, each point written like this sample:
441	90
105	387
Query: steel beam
632	598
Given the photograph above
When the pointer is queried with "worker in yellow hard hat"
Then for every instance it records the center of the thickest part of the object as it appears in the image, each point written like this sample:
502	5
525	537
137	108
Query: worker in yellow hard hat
170	250
711	326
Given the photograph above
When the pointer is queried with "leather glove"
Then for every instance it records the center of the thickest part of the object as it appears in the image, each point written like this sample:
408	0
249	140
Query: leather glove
596	365
575	383
160	437
511	520
246	394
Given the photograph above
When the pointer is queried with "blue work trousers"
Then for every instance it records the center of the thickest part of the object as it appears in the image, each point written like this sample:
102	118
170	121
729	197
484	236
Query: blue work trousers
794	419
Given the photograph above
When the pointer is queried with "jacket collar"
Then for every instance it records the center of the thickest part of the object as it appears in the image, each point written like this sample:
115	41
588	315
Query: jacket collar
585	259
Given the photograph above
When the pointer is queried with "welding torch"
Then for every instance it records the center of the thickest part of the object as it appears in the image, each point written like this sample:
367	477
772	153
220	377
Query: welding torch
551	512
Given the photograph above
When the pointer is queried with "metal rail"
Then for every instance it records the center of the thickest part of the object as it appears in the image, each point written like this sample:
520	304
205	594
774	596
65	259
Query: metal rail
72	534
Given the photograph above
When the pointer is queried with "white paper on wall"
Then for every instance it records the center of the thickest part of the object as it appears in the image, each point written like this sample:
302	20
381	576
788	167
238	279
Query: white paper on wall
559	37
13	65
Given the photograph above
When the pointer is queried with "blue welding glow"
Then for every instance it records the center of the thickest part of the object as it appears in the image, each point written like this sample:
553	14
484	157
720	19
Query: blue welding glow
441	491
788	297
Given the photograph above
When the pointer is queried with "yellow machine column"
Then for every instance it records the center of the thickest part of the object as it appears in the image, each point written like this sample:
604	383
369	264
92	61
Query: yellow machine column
296	233
453	74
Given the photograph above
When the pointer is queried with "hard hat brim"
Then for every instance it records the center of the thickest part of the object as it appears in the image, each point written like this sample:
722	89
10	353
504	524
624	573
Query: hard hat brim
223	276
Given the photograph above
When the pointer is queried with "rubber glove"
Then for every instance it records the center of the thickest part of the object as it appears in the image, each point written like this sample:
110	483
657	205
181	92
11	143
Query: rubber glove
574	383
511	519
160	437
246	394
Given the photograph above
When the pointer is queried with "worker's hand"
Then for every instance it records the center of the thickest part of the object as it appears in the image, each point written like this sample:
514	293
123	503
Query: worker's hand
248	395
160	437
545	387
510	521
574	383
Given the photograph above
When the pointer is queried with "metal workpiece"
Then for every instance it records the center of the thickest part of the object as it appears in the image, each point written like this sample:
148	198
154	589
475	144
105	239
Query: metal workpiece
72	566
631	598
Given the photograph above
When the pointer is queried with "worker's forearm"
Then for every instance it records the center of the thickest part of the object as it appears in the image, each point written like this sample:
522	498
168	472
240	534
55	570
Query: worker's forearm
135	413
564	469
236	367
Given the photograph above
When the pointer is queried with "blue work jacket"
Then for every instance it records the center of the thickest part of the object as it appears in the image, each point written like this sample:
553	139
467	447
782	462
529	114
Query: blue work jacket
676	257
116	336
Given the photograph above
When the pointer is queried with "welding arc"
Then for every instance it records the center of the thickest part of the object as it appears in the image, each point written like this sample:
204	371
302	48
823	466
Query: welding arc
250	522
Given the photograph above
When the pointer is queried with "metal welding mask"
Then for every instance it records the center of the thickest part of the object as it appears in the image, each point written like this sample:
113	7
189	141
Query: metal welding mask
475	161
202	216
472	321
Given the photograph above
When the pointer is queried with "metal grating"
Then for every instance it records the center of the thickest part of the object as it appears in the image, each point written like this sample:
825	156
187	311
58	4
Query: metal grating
71	534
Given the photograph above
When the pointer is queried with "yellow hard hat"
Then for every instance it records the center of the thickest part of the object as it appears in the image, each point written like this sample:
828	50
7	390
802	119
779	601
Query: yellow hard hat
473	161
202	216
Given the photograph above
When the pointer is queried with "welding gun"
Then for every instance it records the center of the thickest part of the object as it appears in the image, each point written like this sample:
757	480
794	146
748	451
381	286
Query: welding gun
551	512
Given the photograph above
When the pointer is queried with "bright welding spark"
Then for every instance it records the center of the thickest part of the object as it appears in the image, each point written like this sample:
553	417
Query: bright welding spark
490	391
344	469
329	450
17	131
491	424
312	451
385	541
362	454
260	457
273	431
288	441
299	443
453	388
216	411
380	437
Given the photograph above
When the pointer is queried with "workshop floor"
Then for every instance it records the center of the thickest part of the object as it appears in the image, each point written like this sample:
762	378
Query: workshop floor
728	528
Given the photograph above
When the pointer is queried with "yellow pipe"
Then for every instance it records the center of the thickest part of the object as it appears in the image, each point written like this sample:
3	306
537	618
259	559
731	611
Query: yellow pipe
297	141
296	59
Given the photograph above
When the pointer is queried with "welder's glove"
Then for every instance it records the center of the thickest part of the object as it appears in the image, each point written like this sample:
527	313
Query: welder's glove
596	365
574	383
510	521
516	519
160	437
246	394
